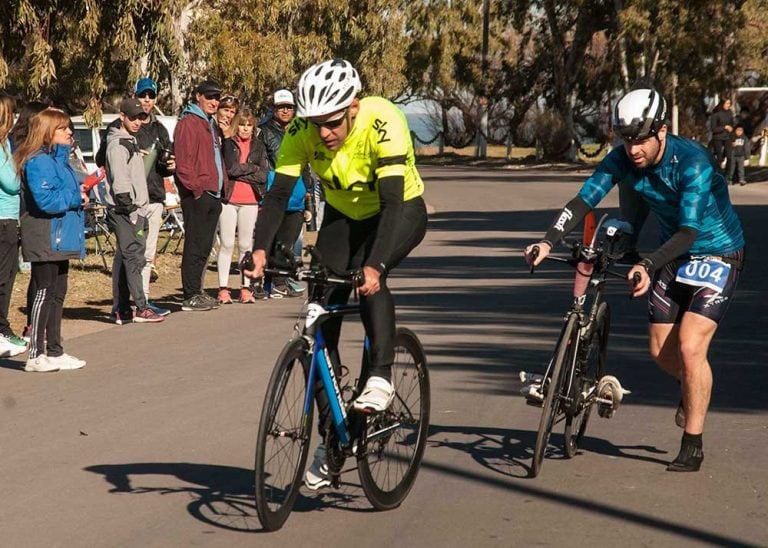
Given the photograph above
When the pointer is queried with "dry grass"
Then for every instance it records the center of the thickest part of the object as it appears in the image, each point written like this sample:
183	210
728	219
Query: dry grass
89	294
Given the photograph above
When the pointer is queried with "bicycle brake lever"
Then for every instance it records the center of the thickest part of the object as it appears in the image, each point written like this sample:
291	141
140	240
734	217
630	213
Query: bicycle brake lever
635	280
534	255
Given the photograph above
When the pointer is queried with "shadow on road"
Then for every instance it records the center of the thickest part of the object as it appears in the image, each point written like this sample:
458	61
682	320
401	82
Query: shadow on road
509	451
222	496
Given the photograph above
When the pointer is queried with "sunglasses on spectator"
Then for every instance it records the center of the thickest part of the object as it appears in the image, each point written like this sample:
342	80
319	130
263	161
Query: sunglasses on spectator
284	107
331	124
229	100
147	95
212	96
142	117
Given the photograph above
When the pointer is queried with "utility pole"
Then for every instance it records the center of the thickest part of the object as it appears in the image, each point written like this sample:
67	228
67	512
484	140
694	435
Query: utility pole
481	144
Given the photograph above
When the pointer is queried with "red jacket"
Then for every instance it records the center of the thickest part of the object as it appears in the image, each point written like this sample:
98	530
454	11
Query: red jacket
197	170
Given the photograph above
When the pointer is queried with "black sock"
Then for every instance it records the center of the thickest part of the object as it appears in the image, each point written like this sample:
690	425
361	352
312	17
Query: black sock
692	439
691	454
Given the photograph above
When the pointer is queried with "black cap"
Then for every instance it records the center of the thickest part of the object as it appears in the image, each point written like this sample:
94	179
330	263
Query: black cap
131	108
208	86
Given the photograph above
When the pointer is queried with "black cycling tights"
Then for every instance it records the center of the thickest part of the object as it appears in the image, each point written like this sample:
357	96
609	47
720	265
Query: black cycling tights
345	244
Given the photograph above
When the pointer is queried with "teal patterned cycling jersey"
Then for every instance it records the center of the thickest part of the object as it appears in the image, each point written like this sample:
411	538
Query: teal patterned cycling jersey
683	190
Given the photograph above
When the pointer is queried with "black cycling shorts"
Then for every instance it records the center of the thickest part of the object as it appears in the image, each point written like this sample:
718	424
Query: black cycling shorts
669	299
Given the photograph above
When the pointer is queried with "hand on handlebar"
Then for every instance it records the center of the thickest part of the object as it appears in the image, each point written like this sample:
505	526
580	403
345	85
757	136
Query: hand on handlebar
536	253
639	280
254	269
371	282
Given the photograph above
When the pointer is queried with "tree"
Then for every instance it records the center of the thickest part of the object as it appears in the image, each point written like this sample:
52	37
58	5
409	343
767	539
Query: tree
253	47
73	52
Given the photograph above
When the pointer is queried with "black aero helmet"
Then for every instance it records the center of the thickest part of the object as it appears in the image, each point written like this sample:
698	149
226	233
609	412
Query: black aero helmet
639	114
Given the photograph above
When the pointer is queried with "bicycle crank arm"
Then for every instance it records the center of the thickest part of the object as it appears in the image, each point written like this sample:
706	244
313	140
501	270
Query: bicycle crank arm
383	432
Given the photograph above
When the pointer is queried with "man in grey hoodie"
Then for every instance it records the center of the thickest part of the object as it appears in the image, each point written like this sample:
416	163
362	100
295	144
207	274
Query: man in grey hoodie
127	201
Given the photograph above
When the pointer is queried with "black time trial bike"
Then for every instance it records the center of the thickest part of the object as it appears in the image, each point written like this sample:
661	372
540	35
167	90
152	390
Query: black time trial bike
575	380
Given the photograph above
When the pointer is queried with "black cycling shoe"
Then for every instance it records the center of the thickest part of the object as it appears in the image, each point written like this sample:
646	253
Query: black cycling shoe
688	460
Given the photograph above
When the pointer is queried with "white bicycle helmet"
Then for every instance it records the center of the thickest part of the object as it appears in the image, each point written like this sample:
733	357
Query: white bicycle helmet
327	87
640	114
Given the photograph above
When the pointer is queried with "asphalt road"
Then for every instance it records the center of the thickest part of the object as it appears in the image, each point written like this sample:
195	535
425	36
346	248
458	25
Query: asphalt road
152	444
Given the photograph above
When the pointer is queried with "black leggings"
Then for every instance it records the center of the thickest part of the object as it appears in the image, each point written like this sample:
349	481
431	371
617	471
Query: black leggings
345	244
50	282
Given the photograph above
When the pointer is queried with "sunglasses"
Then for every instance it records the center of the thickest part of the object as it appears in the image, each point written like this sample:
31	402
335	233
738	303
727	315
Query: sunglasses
331	124
284	107
142	117
147	95
212	96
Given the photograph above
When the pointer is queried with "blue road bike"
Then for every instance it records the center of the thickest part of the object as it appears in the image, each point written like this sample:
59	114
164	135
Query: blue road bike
387	446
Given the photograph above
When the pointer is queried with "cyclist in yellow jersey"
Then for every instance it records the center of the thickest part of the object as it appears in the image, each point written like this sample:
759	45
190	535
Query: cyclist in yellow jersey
361	149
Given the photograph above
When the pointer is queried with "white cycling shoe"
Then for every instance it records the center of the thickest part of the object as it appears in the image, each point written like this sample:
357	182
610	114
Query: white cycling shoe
316	476
377	395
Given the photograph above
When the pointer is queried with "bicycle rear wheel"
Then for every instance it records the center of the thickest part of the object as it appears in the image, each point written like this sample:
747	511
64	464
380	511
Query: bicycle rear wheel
284	434
395	439
553	401
588	374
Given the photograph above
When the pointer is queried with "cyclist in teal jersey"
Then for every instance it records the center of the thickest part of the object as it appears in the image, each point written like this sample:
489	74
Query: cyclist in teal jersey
691	276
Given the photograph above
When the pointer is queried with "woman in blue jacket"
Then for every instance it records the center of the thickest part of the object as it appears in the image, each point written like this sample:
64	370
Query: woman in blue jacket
52	232
10	344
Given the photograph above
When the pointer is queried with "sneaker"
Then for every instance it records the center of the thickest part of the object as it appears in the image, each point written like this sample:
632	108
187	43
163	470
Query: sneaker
377	394
295	286
258	292
66	362
225	297
147	316
11	345
284	290
246	296
742	183
40	364
121	317
210	301
195	303
317	474
158	310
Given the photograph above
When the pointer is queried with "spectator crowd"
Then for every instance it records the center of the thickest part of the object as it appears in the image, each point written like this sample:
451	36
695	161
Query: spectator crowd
219	161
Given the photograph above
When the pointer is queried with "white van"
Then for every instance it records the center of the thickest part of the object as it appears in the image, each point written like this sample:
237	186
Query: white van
89	139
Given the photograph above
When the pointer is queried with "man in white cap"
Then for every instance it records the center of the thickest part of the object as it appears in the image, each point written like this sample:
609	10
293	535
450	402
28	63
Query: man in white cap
273	128
272	133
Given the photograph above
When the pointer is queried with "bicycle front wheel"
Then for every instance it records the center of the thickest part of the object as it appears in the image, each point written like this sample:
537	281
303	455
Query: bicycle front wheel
395	439
584	384
554	387
284	434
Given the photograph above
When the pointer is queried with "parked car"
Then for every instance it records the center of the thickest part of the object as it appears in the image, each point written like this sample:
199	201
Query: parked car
89	139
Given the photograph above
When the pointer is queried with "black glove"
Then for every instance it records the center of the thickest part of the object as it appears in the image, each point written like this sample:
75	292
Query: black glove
123	204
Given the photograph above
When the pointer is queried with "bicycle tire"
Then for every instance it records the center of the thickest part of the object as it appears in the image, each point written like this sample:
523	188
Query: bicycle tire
592	369
389	462
554	390
284	434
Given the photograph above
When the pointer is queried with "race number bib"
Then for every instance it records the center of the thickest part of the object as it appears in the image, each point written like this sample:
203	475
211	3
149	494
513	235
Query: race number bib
710	273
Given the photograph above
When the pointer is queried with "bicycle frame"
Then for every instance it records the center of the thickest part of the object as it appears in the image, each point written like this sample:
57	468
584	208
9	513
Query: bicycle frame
321	365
